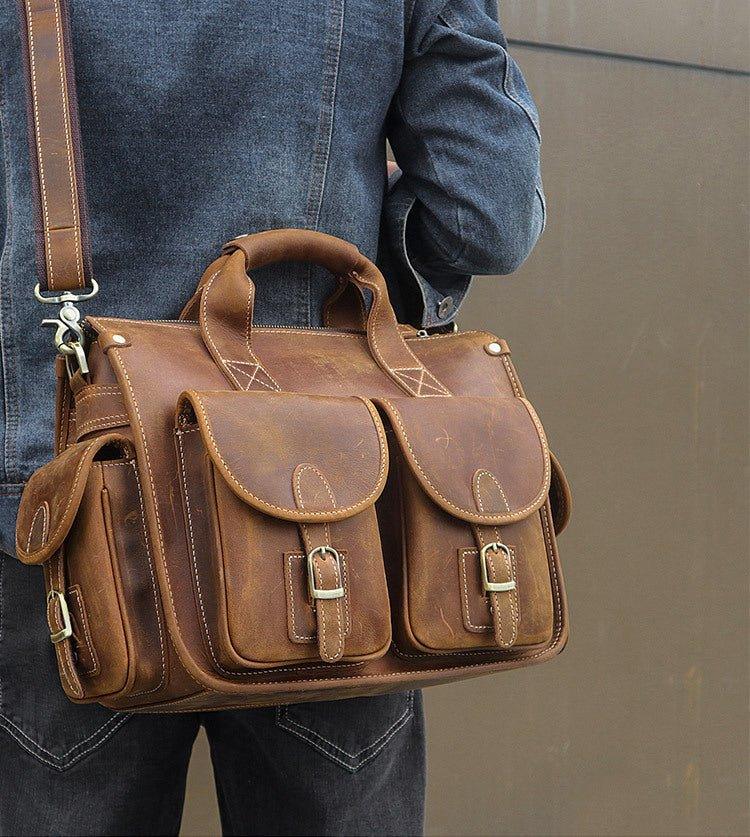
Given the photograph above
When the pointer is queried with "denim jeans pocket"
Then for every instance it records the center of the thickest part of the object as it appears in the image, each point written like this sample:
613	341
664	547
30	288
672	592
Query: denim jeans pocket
350	732
34	711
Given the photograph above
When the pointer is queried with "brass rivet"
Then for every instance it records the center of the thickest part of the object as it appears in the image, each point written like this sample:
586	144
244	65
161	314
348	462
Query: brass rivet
119	339
493	348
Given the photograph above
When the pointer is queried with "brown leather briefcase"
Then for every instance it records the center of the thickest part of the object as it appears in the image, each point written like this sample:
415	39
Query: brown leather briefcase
242	516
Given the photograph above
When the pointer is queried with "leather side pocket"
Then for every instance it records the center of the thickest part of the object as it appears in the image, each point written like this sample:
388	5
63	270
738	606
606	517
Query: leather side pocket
82	517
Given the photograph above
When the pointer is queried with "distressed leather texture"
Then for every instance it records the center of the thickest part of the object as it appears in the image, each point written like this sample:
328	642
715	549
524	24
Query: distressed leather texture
245	516
241	516
64	261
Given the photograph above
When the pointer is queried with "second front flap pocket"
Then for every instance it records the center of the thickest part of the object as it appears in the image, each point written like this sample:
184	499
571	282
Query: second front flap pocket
279	494
471	567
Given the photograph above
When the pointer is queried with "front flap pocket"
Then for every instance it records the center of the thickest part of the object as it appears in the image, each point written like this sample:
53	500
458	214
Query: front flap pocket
473	483
279	492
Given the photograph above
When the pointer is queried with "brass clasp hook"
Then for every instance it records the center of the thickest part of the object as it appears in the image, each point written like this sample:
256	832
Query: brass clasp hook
70	339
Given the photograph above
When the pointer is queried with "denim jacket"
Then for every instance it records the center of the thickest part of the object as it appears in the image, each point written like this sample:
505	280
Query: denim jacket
203	120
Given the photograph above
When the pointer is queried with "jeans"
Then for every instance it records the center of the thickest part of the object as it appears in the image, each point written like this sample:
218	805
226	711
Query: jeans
343	767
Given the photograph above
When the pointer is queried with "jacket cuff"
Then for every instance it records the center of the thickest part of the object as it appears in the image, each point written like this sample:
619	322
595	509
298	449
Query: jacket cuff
430	300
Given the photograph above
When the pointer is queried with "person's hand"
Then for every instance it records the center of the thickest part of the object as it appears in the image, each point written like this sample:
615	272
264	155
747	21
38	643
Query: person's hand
392	167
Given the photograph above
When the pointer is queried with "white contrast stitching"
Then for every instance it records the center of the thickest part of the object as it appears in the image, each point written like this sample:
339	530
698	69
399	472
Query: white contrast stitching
482	472
30	555
344	510
66	116
495	596
75	591
121	717
204	297
513	611
204	308
322	610
298	483
5	721
200	597
141	430
517	656
40	156
96	391
252	377
515	607
383	677
192	325
153	587
65	422
94	423
282	714
419	380
347	618
295	633
68	143
44	509
465	512
372	339
513	380
465	589
62	649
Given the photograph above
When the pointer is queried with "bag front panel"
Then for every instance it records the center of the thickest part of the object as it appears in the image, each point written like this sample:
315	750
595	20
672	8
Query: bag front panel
269	660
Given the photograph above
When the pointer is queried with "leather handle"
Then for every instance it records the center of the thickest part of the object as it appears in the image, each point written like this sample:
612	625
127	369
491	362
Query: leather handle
343	309
227	297
57	167
291	245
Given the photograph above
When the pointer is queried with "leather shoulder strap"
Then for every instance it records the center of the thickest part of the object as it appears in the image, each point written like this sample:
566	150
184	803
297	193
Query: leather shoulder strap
57	171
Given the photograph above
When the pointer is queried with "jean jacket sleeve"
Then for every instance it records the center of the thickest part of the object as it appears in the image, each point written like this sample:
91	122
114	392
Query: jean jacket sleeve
465	134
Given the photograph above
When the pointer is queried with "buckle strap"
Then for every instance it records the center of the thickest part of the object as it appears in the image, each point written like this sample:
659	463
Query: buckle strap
325	581
57	597
61	627
499	582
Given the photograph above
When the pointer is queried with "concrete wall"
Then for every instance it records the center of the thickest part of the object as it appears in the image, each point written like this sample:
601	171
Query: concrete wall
629	326
710	33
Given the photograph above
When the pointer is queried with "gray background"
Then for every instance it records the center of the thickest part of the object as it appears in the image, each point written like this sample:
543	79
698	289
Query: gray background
629	326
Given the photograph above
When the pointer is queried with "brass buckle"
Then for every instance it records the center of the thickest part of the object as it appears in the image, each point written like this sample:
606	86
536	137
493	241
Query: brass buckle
67	629
494	586
317	592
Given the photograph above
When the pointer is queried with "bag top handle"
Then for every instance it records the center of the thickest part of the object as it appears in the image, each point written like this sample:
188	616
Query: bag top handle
297	245
61	229
225	301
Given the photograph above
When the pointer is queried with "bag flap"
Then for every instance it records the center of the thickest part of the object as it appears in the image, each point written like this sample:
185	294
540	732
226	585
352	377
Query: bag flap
51	498
303	458
485	460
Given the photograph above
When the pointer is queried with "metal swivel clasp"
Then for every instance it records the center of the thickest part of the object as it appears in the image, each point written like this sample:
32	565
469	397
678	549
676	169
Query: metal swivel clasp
70	339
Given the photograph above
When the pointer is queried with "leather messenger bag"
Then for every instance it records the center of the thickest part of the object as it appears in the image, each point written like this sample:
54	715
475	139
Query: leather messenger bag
272	515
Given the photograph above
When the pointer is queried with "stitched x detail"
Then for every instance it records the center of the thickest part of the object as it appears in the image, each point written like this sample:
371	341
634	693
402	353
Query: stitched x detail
419	381
249	374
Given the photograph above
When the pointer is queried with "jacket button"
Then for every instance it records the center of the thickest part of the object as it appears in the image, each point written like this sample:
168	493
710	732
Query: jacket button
445	307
